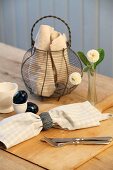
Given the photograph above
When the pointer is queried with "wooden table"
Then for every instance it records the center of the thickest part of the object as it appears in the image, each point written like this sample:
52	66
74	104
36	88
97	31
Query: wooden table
10	64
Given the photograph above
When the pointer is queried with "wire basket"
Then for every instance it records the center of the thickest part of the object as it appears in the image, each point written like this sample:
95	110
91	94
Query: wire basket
46	73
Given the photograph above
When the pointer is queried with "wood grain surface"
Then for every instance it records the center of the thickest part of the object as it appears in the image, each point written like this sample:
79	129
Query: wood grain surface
40	153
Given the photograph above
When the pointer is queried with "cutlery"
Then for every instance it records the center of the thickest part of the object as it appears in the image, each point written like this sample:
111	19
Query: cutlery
59	140
76	142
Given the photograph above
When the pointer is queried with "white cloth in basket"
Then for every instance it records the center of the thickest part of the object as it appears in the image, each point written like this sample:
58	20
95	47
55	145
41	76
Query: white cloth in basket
60	58
23	126
38	64
48	39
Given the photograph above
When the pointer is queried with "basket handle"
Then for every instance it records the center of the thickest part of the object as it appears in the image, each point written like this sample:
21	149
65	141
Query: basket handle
50	16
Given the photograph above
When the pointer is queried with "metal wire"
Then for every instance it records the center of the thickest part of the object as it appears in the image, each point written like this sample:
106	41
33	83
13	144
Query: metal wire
46	73
50	16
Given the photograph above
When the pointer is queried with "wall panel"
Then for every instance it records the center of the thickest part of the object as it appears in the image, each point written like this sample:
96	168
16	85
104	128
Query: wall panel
90	22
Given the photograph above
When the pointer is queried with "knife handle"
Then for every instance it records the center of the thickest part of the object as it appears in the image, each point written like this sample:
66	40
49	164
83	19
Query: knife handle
83	143
92	142
105	104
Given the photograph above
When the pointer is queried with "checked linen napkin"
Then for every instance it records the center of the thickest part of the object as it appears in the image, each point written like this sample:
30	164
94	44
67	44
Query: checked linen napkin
23	126
47	39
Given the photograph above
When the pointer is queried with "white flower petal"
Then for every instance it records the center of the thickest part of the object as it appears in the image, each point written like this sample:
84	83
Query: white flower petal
93	56
75	78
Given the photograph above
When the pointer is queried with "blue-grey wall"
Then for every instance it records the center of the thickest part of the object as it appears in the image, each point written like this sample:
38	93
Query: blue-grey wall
90	22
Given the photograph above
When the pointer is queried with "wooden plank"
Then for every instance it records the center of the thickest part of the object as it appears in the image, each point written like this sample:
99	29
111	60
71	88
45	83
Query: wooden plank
90	24
21	12
2	23
14	162
70	157
34	13
9	22
46	8
27	149
106	42
59	26
103	161
41	154
8	53
11	53
75	17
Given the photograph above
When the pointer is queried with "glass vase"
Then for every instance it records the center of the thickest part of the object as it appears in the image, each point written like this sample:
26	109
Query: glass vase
92	96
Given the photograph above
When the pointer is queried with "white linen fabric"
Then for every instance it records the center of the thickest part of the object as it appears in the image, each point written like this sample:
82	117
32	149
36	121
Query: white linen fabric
23	126
42	42
60	59
47	39
18	128
77	116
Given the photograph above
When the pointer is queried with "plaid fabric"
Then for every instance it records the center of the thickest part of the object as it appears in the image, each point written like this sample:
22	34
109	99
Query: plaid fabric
18	128
77	116
21	127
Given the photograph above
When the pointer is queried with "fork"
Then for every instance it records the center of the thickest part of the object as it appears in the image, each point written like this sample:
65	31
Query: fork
55	144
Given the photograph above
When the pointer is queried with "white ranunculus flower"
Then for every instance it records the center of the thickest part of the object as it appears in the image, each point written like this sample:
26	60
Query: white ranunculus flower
93	56
75	78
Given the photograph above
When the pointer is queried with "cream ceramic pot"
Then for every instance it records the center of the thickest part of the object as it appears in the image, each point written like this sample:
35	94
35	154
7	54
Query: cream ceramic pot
20	108
7	91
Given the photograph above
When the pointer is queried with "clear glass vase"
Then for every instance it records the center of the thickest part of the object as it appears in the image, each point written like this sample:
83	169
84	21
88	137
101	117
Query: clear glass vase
92	96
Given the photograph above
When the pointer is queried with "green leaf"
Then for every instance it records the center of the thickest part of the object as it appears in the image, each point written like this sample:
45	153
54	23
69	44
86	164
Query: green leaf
83	58
85	69
101	57
92	71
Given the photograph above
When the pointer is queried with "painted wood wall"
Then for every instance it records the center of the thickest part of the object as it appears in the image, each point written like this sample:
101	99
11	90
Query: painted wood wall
90	22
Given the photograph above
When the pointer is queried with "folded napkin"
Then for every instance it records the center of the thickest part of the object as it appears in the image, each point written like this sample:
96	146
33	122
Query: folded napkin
48	39
38	64
21	127
60	59
42	40
18	128
77	116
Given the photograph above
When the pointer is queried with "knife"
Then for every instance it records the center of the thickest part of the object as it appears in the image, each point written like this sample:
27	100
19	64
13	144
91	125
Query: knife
63	140
76	142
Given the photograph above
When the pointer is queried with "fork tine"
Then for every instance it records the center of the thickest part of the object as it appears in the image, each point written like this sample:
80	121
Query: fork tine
49	141
55	144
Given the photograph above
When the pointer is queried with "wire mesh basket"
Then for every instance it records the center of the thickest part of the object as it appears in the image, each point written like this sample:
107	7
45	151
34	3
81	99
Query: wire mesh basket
46	73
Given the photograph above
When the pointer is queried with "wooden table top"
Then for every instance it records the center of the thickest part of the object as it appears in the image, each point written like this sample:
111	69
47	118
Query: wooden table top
10	64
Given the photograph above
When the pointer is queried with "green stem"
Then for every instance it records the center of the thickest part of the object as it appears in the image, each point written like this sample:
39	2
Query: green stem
92	87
